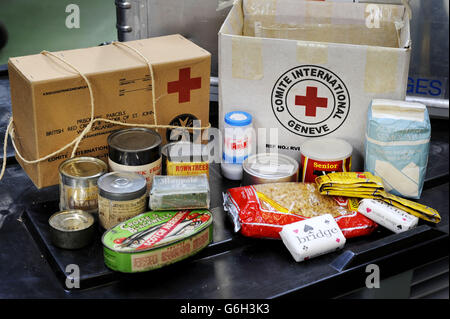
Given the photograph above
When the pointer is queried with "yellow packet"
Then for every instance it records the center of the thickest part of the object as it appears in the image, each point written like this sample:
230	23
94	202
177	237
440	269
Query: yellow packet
349	180
416	209
366	185
350	193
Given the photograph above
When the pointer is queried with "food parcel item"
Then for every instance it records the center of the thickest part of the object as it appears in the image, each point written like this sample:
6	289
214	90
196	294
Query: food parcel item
262	210
366	185
51	103
269	168
71	229
397	144
179	192
185	158
321	156
387	215
359	184
237	143
135	150
311	68
121	195
78	178
312	237
156	239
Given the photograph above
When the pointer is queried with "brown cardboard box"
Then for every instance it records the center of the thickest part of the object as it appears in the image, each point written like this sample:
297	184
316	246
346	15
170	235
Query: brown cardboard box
51	104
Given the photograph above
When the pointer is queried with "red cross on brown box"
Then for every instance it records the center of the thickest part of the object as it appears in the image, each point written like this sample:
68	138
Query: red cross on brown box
184	85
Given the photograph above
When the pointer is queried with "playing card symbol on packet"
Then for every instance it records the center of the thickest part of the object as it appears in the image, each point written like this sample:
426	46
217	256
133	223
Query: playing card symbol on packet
319	239
262	210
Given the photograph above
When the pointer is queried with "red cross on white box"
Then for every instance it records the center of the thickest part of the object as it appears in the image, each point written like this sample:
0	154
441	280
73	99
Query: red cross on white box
311	101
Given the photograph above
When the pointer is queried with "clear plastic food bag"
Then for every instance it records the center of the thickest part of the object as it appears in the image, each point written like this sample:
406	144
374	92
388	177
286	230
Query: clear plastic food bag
262	210
179	192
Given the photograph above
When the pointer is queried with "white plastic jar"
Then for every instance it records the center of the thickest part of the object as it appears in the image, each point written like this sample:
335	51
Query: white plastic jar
237	144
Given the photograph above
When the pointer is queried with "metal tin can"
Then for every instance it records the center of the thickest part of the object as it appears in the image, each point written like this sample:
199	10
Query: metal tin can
269	168
321	156
71	229
156	239
78	183
135	150
185	158
121	195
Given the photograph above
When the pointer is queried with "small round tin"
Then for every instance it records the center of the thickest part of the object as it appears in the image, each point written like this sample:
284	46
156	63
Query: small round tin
121	195
78	183
71	229
135	150
321	156
269	168
185	158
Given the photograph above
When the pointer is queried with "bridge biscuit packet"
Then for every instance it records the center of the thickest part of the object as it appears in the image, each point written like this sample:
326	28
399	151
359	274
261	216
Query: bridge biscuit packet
312	237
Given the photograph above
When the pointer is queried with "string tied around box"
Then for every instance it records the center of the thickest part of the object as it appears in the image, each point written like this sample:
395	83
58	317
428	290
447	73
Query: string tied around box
76	141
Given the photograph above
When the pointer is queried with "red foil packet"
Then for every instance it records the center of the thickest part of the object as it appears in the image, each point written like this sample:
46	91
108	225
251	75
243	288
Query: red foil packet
255	215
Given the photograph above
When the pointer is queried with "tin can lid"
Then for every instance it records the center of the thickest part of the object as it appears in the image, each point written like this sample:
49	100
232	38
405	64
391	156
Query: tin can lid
186	152
71	220
270	165
122	186
326	149
135	146
238	118
83	168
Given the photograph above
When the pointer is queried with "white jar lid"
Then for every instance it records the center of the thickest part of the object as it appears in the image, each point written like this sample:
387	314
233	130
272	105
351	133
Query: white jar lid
326	149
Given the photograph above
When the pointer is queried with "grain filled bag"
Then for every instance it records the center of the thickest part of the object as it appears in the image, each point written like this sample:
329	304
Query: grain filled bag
397	144
262	210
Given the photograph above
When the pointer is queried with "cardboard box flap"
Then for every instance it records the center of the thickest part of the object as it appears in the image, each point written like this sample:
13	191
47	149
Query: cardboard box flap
310	69
350	23
288	11
234	22
108	58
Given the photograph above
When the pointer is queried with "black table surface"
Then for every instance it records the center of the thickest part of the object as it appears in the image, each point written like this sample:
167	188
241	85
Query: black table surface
233	266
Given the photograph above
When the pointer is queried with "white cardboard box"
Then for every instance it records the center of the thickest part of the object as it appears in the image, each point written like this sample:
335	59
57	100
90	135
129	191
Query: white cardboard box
311	68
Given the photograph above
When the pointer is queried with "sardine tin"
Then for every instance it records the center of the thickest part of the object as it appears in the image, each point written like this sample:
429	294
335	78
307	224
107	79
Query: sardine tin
155	239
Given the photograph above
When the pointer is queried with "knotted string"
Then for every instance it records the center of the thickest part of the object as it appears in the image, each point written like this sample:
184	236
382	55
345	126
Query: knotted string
76	141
